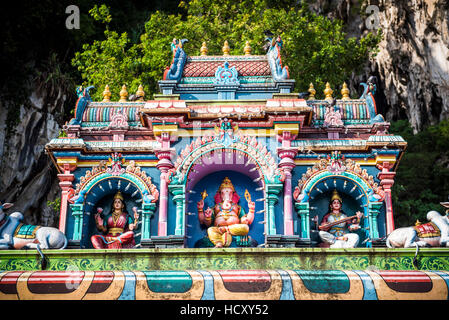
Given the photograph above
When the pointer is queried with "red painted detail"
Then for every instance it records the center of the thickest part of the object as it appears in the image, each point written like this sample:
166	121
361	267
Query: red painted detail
8	283
407	281
246	280
62	282
102	280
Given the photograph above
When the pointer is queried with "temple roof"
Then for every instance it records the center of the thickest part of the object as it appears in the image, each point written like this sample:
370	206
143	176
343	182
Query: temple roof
206	66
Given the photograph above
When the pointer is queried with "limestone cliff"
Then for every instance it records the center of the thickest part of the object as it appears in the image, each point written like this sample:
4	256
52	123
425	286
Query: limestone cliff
413	59
27	176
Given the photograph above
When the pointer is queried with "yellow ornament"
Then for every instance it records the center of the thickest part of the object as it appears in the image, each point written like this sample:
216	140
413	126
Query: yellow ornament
345	92
140	93
226	49
123	94
247	49
204	49
312	92
328	92
106	94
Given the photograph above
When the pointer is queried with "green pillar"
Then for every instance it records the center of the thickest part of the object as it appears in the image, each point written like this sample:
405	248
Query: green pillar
148	210
272	192
303	211
373	212
179	197
77	213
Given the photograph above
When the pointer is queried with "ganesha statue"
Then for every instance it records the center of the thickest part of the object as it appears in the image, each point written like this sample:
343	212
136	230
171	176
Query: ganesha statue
227	219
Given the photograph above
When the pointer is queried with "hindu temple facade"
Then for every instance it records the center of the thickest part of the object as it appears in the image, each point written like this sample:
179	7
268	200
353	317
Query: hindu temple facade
233	117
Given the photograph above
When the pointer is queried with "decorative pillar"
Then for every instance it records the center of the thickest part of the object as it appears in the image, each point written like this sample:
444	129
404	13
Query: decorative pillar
373	212
77	213
65	182
304	213
287	163
179	197
148	210
386	178
164	164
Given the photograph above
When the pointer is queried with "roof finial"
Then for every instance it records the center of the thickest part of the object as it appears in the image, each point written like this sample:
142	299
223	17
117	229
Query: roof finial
106	94
312	92
328	92
204	49
140	93
226	48
247	49
123	94
345	92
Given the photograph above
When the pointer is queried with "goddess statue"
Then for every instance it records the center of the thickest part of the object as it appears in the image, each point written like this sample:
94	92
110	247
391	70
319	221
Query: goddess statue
336	226
227	218
117	226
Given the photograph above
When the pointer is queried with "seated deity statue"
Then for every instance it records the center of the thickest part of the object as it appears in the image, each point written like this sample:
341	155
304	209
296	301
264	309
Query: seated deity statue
335	234
227	218
117	227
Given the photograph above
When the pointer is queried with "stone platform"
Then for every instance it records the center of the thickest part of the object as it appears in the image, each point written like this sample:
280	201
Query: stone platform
226	274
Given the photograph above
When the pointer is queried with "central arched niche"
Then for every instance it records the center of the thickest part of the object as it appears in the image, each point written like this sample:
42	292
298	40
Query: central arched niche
101	195
211	182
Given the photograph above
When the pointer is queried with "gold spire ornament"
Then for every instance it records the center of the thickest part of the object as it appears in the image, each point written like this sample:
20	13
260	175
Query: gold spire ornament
106	94
312	92
123	94
345	92
328	92
204	49
140	93
226	48
247	49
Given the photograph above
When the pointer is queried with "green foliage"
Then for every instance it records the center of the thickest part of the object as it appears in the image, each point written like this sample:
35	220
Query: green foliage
55	205
422	178
315	48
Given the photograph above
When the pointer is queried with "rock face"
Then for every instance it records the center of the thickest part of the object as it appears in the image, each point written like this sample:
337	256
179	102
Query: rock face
413	59
28	176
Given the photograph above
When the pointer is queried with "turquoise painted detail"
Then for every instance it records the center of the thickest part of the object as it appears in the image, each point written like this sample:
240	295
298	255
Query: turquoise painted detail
287	287
208	293
129	290
369	291
325	281
168	281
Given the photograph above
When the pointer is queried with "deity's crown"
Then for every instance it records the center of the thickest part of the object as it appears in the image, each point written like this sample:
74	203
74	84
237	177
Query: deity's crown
118	195
336	196
226	184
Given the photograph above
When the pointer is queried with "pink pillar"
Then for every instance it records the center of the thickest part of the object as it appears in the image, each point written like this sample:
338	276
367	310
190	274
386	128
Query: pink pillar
163	165
287	155
65	182
386	181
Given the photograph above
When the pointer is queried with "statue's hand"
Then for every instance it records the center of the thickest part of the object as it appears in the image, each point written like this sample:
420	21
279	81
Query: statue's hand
98	219
359	214
136	214
251	205
208	213
200	204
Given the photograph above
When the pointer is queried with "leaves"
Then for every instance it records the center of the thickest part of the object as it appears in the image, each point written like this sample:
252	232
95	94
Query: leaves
422	178
315	48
